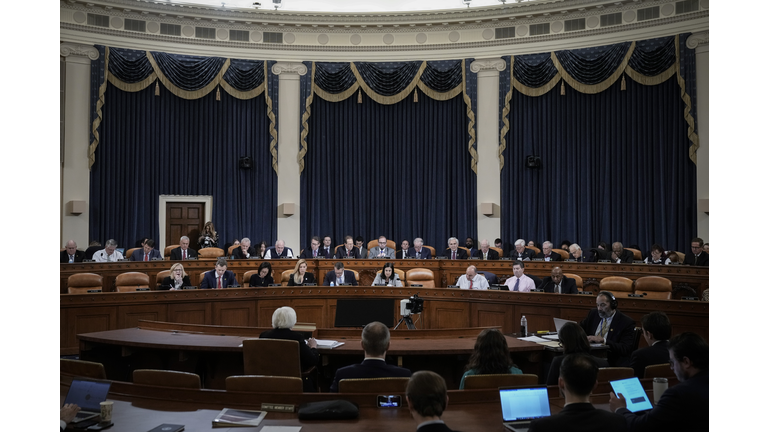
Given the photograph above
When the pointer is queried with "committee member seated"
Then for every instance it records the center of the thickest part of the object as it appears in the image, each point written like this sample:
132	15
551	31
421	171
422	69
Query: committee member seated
177	279
658	256
71	254
245	251
472	280
559	284
620	255
485	252
264	277
375	343
339	276
490	356
606	325
685	406
183	252
574	340
577	380
387	276
656	331
520	252
520	281
362	250
220	277
300	275
279	251
283	320
577	254
404	248
314	250
327	249
418	250
108	254
381	251
453	252
547	254
697	256
93	247
427	397
348	249
147	252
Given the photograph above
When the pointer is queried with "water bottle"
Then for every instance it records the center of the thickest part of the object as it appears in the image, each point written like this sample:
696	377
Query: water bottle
523	327
332	284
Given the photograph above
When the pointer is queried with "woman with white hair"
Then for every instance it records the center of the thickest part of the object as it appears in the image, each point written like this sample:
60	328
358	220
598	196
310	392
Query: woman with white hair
283	320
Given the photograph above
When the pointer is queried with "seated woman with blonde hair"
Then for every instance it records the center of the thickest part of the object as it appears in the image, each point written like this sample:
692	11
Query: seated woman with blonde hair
177	279
300	275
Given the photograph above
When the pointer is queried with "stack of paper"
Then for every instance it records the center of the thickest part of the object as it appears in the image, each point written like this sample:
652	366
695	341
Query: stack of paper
229	417
328	344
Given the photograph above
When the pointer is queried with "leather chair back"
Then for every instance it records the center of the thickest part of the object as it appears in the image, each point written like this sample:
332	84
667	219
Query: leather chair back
577	278
271	357
659	371
388	385
431	250
499	380
210	253
421	276
82	368
231	249
160	276
375	243
166	378
499	250
264	384
563	253
614	373
654	287
130	281
130	252
167	251
637	255
535	250
285	277
81	283
616	284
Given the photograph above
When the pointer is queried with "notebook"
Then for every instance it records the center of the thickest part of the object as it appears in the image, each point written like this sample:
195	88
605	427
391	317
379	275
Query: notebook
88	395
633	392
521	405
559	323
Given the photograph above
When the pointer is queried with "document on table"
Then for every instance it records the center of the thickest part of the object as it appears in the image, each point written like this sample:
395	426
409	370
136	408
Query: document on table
534	339
281	429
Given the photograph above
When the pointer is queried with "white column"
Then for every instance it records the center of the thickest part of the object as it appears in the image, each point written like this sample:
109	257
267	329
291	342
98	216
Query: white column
700	42
288	130
75	174
487	126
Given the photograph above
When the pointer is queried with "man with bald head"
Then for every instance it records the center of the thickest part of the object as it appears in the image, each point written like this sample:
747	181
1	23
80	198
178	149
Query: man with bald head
621	255
559	284
71	254
472	280
485	252
279	251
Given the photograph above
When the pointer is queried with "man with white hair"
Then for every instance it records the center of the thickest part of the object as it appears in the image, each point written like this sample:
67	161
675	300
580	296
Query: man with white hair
453	252
418	251
279	251
245	251
546	252
71	254
183	252
472	280
109	253
283	320
485	252
577	254
521	253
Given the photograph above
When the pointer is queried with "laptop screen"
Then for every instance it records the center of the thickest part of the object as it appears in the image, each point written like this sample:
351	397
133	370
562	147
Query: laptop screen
524	403
88	395
633	392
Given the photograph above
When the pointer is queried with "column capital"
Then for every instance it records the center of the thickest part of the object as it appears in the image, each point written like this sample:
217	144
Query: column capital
289	68
491	64
67	49
698	41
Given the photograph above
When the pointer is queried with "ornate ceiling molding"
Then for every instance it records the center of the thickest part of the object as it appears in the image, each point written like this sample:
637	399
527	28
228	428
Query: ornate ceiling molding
67	49
289	68
493	64
697	39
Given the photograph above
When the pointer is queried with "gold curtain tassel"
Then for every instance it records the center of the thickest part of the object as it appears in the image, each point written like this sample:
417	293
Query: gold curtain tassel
416	95
157	87
359	96
218	93
623	83
562	88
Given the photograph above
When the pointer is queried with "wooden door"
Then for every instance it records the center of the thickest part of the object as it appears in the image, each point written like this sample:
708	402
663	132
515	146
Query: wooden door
183	219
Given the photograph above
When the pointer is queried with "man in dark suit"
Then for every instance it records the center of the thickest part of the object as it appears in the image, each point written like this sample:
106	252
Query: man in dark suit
520	252
577	254
418	250
71	254
485	252
245	251
427	398
557	283
403	252
183	252
606	325
348	250
220	277
327	249
147	252
469	243
547	254
453	252
684	407
578	378
375	343
697	256
339	276
314	250
656	331
621	255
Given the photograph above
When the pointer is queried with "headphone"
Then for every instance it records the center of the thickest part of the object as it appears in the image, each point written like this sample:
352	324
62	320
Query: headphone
614	304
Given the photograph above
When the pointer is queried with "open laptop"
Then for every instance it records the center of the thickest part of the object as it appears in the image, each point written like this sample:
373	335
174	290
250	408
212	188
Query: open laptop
521	405
88	395
559	323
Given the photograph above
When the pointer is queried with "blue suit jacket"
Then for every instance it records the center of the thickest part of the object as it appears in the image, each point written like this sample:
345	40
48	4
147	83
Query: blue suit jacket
138	255
349	277
425	253
228	281
368	369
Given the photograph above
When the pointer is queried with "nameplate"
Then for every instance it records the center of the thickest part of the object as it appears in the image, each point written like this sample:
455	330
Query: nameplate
453	286
603	261
254	257
674	263
157	259
538	259
189	287
505	258
690	298
345	284
142	289
310	284
475	258
380	284
417	285
122	260
191	258
586	292
635	295
94	291
273	407
537	290
493	287
570	260
441	257
275	285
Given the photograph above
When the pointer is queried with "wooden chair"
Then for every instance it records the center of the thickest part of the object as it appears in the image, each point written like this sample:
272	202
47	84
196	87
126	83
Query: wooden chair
167	251
563	253
201	276
654	287
285	276
375	243
638	256
398	272
231	249
535	250
160	276
618	285
431	250
264	384
130	281
81	283
247	277
421	276
130	252
82	368
659	370
577	278
271	357
614	373
680	256
499	380
465	249
390	385
210	253
166	378
499	250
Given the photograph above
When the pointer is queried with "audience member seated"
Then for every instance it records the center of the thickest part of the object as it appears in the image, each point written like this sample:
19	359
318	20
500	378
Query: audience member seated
362	250
577	380
283	320
375	343
470	244
108	254
574	340
209	237
147	252
685	406
453	252
382	251
327	249
565	245
472	280
220	277
314	250
546	252
427	398
577	254
706	248
264	277
490	356
656	331
279	251
71	254
657	255
388	276
521	253
339	276
183	252
485	252
621	255
177	279
348	250
697	256
404	248
300	275
418	250
93	247
261	249
557	283
606	325
245	251
520	281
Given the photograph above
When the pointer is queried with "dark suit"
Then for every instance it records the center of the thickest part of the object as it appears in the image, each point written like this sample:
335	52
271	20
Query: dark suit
307	253
582	258
308	356
651	355
554	368
79	256
238	253
701	260
258	281
684	407
424	253
553	256
627	256
92	250
328	255
368	369
349	277
461	254
401	254
567	285
492	254
168	283
227	281
580	417
517	256
308	278
342	253
176	253
620	338
138	255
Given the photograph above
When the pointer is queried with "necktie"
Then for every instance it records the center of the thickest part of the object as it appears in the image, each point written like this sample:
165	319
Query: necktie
183	254
326	252
218	285
71	258
485	255
146	257
470	283
695	258
517	285
314	253
558	288
603	328
418	255
453	255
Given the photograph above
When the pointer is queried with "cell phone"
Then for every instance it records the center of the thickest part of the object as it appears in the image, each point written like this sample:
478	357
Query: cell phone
391	401
99	426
